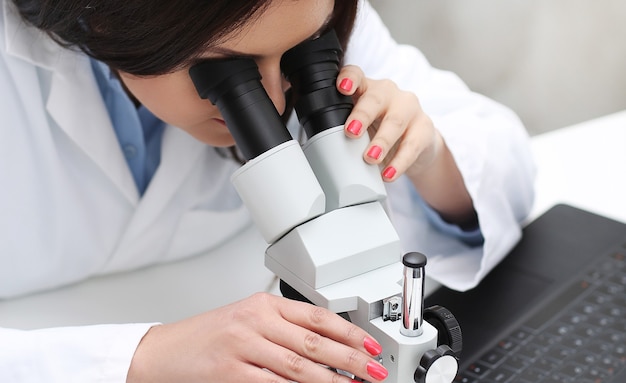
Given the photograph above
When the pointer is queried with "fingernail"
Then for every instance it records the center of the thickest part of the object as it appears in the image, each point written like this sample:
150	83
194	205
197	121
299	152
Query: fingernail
376	371
373	347
375	152
354	127
389	172
346	84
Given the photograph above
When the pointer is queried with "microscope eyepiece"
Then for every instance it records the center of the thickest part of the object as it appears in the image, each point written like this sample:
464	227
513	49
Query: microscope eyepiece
312	68
234	85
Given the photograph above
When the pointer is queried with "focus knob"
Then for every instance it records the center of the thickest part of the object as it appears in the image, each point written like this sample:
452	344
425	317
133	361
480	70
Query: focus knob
448	328
437	366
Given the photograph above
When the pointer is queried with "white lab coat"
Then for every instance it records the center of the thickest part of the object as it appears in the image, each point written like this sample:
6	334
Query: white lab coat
69	208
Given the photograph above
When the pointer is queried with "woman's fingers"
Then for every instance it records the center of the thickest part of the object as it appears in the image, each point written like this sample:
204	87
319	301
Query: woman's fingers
263	338
321	336
402	135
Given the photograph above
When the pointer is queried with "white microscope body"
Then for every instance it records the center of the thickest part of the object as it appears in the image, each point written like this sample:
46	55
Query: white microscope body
320	208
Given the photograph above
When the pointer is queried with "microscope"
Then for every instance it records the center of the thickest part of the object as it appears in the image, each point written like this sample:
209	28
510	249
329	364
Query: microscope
320	208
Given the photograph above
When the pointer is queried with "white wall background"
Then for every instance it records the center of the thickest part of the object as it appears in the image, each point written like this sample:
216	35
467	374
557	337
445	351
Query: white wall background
555	62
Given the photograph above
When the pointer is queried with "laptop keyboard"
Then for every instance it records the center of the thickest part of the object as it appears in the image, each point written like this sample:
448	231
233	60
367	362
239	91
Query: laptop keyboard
578	337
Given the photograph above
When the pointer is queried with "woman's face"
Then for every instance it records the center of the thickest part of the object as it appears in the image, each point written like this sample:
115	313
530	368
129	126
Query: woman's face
173	98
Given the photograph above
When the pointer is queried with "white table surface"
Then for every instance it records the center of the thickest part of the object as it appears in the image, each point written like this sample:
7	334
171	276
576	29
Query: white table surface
582	165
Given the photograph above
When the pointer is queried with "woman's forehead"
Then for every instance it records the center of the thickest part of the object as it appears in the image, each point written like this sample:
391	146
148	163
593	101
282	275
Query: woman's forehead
282	25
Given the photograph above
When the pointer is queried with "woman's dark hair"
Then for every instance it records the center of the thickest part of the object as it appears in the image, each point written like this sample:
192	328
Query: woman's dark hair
152	37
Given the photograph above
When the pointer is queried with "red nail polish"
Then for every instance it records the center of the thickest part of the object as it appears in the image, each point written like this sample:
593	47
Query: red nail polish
375	152
346	84
389	172
376	371
354	127
373	347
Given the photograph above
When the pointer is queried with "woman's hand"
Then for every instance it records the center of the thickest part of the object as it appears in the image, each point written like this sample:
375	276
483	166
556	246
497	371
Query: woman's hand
405	141
263	338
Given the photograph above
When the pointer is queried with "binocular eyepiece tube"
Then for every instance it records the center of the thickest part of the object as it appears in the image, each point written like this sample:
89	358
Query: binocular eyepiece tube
312	68
234	85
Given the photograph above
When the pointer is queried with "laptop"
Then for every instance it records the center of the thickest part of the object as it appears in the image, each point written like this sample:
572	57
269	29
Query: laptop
554	310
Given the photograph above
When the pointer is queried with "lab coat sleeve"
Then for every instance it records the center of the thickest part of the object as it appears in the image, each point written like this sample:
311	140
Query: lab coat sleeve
487	140
99	353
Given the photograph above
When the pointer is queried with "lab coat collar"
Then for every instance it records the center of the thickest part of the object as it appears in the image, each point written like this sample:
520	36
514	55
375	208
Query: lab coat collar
75	104
74	101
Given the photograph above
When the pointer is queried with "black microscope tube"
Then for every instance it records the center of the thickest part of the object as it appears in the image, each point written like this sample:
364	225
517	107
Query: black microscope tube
312	68
234	85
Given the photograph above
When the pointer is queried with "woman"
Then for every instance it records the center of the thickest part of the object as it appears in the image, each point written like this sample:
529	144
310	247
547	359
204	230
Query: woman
114	166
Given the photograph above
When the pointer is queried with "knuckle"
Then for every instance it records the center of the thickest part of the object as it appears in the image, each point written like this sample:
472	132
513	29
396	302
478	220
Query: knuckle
353	359
395	121
352	332
294	363
376	99
271	378
409	97
337	378
312	343
318	315
261	297
247	311
388	85
241	314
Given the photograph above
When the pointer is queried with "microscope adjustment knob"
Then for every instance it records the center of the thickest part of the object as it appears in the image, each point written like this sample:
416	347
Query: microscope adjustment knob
448	328
437	366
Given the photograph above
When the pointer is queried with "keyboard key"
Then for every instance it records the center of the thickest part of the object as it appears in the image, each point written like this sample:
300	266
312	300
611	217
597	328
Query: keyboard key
531	351
586	358
493	357
598	373
478	369
618	279
520	335
611	289
599	299
506	345
517	363
555	378
500	375
464	378
531	374
613	311
574	318
587	307
588	331
601	320
560	329
571	370
546	340
559	352
574	342
547	364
